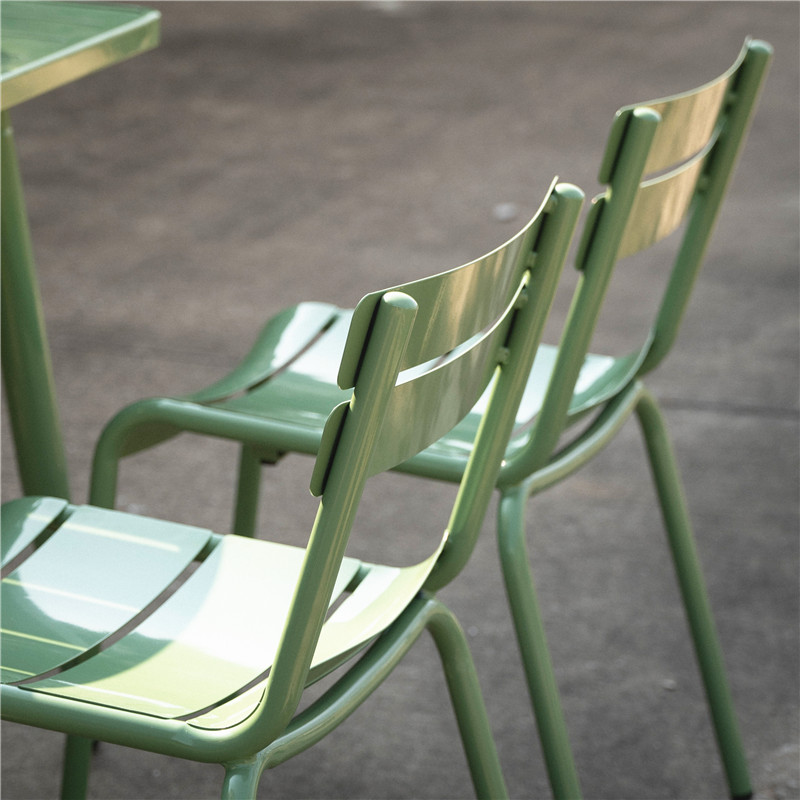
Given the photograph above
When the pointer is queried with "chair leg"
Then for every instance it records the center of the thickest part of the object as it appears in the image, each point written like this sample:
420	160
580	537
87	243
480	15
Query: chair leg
695	598
105	471
532	641
470	710
247	492
242	778
77	763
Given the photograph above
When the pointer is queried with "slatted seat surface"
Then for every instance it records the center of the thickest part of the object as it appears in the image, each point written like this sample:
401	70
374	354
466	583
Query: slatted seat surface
199	647
53	613
29	524
283	366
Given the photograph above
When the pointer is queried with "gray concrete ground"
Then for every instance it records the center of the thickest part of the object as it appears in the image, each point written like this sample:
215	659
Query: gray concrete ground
268	153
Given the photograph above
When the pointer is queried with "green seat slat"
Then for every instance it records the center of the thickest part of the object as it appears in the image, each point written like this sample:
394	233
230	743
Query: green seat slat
217	633
23	521
281	340
303	395
71	593
23	656
377	601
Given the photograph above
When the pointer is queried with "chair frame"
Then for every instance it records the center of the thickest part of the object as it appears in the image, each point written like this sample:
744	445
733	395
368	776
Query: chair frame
641	143
392	331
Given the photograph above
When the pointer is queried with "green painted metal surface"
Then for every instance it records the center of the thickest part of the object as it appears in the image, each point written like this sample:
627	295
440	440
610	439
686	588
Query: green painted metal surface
44	45
162	636
691	141
279	399
70	592
27	520
199	645
661	206
27	370
707	127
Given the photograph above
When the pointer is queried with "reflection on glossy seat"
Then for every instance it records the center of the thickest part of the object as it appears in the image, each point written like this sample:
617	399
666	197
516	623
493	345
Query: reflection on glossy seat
171	638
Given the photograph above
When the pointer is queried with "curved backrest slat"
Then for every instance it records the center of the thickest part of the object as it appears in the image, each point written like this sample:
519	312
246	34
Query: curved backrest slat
660	206
453	306
689	144
687	123
425	408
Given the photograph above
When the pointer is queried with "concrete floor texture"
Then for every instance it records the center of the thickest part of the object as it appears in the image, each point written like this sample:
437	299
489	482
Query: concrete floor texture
267	153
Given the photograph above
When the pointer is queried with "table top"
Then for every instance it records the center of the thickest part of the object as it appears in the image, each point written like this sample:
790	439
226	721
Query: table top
44	45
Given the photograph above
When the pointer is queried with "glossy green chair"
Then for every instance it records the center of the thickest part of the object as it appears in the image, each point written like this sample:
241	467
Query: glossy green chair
689	142
170	638
667	166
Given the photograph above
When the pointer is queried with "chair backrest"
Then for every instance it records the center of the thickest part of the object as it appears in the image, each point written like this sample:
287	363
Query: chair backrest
417	358
667	164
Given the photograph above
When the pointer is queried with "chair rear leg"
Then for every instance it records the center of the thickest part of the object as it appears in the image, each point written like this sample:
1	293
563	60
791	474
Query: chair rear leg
242	778
695	598
470	710
247	492
77	763
532	641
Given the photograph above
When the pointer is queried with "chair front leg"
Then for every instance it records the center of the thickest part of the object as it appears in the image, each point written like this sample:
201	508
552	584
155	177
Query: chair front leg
532	640
695	598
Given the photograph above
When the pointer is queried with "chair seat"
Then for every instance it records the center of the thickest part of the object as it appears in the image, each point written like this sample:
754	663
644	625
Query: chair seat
289	376
113	629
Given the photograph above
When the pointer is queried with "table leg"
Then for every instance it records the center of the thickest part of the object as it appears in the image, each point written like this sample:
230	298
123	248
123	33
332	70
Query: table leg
27	368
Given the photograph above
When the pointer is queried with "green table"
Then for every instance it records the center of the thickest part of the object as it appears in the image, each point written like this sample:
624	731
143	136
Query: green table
44	45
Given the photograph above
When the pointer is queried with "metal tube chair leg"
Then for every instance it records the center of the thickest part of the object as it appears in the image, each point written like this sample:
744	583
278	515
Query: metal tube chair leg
532	641
522	598
37	432
695	598
242	778
351	690
465	693
77	763
247	492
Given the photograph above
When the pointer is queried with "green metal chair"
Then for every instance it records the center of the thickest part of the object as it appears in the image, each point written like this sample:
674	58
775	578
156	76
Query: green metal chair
667	166
689	142
174	639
